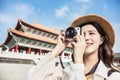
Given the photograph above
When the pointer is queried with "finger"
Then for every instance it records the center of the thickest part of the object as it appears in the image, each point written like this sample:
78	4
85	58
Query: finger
63	32
73	43
76	38
82	33
61	38
82	39
82	36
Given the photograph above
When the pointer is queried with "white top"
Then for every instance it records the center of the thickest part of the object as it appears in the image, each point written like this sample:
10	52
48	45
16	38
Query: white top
46	70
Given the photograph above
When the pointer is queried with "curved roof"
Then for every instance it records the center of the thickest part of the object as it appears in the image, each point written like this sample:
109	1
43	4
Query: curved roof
39	27
32	36
9	37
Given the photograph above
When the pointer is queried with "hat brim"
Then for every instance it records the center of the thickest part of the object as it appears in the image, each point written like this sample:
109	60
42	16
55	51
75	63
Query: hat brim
105	24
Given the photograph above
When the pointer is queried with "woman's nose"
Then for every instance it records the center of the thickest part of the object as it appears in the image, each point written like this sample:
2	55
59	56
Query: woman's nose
87	36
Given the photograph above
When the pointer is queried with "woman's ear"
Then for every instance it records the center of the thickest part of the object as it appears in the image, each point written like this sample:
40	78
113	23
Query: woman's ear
101	40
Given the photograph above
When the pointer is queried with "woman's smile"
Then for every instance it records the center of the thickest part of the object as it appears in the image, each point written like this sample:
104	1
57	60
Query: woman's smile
88	44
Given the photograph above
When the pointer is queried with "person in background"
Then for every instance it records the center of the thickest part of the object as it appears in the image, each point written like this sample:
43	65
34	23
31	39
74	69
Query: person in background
92	56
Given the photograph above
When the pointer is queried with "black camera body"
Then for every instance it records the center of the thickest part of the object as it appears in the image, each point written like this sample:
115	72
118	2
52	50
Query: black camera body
71	32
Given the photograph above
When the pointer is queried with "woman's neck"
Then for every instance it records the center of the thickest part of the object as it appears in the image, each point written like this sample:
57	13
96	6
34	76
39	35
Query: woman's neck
90	61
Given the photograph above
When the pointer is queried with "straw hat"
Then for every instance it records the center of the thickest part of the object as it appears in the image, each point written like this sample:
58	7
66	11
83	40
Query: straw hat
105	24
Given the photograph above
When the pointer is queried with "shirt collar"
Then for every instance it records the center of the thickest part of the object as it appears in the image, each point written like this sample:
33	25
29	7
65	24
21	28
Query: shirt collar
101	70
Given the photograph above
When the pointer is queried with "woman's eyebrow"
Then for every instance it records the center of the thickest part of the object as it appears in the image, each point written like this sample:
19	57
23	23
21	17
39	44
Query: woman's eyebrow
92	31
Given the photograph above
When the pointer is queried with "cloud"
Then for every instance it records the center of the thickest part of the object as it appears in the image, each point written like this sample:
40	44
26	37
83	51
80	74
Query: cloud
61	11
5	18
80	11
18	11
83	1
23	9
105	8
72	10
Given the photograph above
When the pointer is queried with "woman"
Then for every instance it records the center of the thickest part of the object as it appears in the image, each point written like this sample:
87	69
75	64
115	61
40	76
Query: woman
93	55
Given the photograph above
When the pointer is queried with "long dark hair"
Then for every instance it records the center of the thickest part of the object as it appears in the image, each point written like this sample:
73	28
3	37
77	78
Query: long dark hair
105	52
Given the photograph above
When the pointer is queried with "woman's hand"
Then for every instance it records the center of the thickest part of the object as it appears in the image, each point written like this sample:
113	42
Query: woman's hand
61	44
79	46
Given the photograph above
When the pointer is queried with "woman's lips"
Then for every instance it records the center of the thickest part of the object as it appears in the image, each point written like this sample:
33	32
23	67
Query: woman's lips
88	44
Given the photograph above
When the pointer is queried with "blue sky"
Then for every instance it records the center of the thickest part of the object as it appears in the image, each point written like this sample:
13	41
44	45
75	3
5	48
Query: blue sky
57	13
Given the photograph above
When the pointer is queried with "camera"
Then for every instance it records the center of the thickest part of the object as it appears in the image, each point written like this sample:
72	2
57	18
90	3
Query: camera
71	32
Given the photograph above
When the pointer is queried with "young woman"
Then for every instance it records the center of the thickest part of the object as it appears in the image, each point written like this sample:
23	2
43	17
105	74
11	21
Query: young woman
93	55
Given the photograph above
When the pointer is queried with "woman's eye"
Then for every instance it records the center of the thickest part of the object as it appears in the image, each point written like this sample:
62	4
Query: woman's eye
91	33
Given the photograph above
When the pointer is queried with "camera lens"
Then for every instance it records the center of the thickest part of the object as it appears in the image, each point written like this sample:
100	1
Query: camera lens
70	32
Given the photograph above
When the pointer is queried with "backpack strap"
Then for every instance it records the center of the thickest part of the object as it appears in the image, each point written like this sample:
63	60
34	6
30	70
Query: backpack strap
110	72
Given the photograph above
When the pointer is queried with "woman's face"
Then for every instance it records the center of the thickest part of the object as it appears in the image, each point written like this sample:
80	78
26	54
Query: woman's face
92	38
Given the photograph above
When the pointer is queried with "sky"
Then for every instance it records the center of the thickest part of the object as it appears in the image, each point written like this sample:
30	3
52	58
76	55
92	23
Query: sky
57	13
